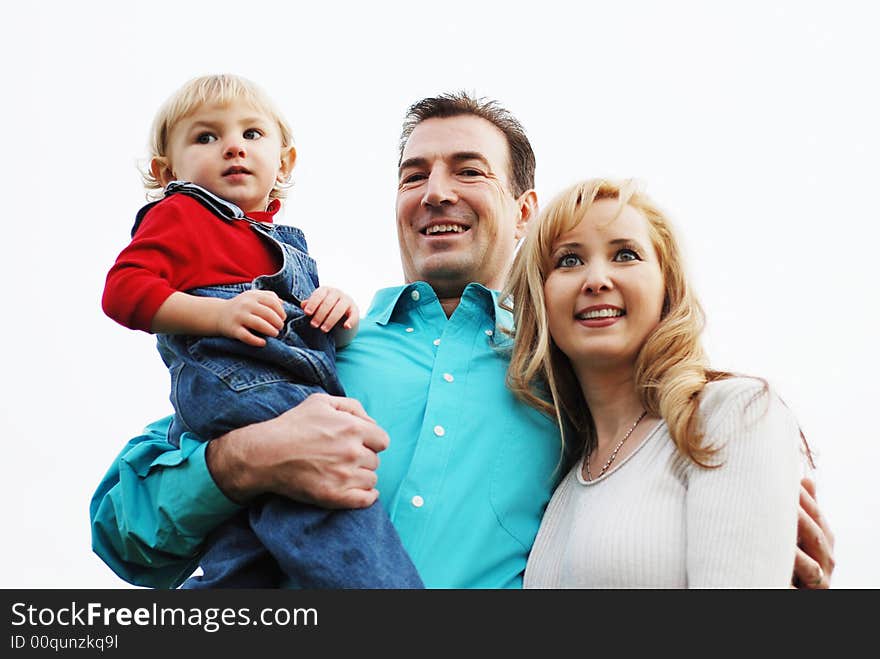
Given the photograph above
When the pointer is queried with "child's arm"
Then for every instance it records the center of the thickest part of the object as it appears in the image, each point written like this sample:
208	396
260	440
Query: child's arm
327	306
160	259
237	318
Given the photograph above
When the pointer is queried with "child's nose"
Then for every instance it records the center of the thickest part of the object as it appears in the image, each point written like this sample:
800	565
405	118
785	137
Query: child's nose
235	149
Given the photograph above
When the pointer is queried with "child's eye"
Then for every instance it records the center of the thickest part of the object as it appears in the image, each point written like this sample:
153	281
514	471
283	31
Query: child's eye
568	261
626	255
252	134
206	138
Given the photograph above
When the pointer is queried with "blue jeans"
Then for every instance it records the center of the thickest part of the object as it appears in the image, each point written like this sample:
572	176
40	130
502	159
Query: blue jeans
219	384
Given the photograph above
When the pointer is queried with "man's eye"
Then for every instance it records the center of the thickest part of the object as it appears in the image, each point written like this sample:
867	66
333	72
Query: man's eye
471	172
413	178
625	255
206	138
252	134
568	261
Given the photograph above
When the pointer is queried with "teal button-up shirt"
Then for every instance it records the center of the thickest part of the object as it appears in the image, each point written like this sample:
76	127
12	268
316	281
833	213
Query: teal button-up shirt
465	479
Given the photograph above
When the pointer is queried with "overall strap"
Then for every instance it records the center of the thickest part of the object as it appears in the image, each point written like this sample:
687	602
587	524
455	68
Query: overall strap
223	209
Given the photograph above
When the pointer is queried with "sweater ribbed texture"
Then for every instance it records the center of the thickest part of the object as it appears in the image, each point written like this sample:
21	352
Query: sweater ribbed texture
657	520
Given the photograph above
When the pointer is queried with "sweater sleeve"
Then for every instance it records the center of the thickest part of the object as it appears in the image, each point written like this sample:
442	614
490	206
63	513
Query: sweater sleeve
144	274
742	516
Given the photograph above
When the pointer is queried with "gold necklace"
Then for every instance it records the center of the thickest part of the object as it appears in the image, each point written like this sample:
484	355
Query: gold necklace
616	449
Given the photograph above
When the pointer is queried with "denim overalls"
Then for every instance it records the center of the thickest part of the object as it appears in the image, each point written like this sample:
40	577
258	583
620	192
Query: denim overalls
219	384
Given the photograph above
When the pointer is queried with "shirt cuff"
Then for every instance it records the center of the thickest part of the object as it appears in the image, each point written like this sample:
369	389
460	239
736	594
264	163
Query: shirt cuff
211	499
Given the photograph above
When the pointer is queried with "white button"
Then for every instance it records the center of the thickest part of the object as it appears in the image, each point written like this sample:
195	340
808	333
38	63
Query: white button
439	431
418	501
410	329
448	377
436	342
415	295
489	332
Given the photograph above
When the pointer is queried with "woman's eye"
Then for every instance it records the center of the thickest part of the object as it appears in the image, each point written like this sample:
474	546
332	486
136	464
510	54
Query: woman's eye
206	138
471	172
625	255
568	261
252	134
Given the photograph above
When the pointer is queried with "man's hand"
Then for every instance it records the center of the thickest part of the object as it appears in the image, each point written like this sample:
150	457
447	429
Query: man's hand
252	311
814	561
327	306
323	451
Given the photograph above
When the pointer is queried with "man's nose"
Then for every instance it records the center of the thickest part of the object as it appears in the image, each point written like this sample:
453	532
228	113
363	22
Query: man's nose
440	189
597	279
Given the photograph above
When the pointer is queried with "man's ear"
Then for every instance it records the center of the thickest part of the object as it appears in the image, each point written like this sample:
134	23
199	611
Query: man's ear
528	208
288	160
160	168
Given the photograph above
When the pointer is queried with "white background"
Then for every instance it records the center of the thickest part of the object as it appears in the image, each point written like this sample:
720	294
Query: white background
755	124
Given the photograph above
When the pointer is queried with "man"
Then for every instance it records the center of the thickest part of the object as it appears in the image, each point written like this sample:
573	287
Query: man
468	470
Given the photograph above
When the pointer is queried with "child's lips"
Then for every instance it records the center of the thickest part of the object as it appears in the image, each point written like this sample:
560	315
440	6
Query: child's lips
232	171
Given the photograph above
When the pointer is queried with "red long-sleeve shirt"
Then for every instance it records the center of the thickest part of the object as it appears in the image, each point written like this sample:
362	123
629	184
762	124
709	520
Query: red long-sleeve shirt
180	245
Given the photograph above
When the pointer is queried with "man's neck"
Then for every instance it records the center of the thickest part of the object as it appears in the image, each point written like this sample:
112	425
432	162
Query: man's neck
449	295
449	304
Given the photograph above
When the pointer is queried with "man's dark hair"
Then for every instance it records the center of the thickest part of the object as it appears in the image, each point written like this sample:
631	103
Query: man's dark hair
522	158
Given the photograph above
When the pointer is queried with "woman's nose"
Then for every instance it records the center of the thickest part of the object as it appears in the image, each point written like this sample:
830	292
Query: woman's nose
596	279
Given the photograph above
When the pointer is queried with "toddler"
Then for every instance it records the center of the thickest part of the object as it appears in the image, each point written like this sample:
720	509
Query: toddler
244	328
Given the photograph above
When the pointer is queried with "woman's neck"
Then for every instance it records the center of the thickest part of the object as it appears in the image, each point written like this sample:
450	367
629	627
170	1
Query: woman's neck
613	400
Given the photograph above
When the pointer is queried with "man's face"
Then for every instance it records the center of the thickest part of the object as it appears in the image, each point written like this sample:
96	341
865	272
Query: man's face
457	219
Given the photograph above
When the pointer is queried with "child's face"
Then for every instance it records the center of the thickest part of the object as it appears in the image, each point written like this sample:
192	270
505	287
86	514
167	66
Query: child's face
232	150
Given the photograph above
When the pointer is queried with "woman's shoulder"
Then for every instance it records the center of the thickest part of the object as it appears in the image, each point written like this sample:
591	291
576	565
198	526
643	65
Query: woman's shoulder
735	390
745	416
747	420
742	403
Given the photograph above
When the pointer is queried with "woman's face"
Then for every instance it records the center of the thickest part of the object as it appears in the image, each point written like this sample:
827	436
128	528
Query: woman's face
604	289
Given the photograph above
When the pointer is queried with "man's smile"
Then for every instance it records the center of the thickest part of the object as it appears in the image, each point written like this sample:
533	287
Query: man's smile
444	228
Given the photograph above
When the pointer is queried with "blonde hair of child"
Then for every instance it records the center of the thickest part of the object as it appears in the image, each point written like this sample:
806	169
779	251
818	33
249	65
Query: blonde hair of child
219	89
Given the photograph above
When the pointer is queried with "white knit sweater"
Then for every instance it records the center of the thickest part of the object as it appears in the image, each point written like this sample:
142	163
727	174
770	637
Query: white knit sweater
657	520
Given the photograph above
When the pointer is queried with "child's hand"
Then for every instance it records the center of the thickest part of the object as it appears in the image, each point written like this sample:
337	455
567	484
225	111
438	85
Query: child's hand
248	312
327	306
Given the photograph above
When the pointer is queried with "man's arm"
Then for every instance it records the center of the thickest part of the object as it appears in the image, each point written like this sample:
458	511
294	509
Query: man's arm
157	504
154	507
323	451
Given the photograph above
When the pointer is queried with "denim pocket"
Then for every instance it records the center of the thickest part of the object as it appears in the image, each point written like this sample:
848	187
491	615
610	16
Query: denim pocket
238	365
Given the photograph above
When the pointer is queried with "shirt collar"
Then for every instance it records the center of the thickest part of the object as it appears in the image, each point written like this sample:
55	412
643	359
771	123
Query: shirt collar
409	296
268	214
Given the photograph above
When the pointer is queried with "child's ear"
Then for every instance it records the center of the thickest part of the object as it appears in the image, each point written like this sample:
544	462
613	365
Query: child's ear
288	160
160	168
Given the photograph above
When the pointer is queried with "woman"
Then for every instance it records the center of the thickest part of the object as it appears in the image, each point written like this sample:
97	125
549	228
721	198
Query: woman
684	476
